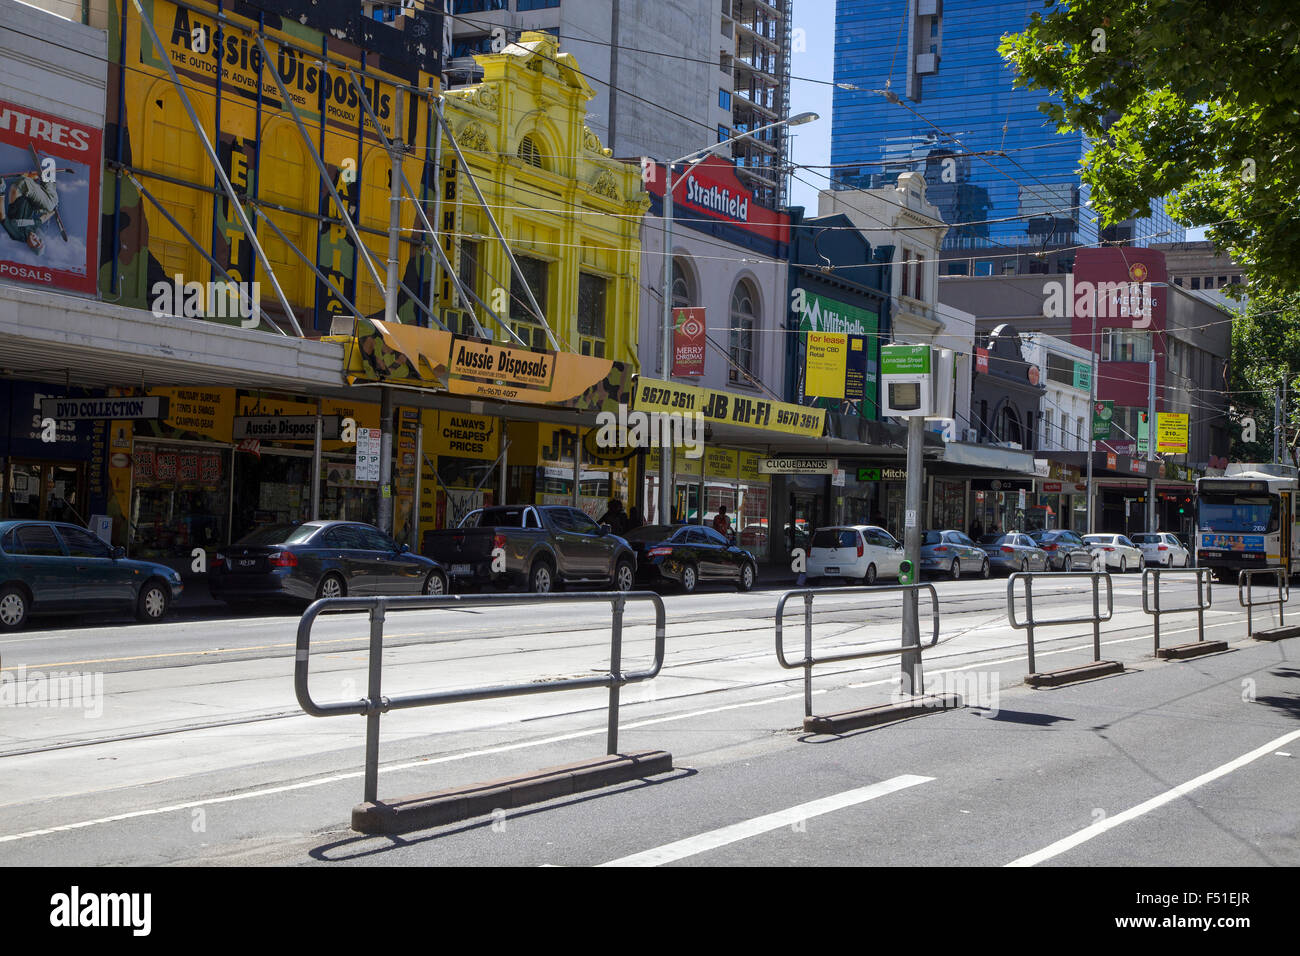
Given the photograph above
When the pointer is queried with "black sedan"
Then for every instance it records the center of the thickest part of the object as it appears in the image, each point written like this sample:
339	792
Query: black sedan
687	555
320	559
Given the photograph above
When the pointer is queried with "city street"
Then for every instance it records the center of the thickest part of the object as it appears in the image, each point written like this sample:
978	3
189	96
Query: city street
198	752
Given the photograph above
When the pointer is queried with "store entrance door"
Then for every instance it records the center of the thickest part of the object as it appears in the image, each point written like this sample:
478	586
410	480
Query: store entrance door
46	491
805	516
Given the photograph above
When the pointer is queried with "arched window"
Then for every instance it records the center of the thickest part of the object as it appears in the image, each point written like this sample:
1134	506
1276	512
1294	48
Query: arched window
683	287
529	152
1009	426
742	331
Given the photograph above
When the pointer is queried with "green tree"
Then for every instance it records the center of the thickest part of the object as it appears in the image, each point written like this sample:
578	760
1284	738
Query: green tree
1265	352
1196	100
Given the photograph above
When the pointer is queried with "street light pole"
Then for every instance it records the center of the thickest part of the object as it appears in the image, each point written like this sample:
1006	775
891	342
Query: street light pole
1092	404
665	453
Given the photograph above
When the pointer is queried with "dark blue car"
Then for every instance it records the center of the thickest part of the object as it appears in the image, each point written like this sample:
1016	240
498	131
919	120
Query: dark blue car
47	567
320	559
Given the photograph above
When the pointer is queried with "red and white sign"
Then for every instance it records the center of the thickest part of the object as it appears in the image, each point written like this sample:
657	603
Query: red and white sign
1128	286
711	190
982	360
688	342
50	171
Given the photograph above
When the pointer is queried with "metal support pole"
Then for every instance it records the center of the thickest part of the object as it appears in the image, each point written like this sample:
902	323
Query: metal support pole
1155	576
229	190
374	700
666	453
1200	606
394	214
1151	445
505	447
1277	424
386	462
807	655
1092	410
1029	619
415	501
577	463
315	466
615	674
1096	615
911	658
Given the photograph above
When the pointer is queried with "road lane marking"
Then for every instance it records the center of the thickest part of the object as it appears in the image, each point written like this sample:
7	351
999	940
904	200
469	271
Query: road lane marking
712	840
1101	826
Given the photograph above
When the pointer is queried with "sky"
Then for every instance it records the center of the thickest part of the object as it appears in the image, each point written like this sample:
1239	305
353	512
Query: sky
812	59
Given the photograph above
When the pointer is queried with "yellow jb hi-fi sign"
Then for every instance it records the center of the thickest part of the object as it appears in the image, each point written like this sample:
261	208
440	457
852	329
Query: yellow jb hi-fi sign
240	106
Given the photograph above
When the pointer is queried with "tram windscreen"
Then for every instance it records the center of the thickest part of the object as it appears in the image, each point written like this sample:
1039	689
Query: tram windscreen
1231	514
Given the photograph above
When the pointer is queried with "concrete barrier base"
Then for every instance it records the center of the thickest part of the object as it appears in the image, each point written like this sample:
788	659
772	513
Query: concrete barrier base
881	714
1069	675
1179	652
1277	633
449	806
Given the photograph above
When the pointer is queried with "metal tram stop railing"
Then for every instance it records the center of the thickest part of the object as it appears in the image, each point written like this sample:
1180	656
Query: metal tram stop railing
433	809
1246	598
1204	599
1030	624
848	720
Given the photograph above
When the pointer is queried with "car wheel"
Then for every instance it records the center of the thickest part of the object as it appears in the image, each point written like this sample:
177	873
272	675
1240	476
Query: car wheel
541	578
870	577
14	606
152	604
954	572
747	575
624	576
435	585
690	578
985	570
1123	564
1024	565
1069	563
331	586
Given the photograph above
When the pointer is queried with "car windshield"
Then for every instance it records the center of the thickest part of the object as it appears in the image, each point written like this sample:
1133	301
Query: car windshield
279	534
1237	514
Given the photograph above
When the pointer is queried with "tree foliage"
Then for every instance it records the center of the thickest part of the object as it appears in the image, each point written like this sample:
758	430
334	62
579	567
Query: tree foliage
1265	353
1195	100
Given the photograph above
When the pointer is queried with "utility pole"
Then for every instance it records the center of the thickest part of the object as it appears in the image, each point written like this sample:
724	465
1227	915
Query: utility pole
665	452
1277	424
1151	443
390	316
912	678
1092	403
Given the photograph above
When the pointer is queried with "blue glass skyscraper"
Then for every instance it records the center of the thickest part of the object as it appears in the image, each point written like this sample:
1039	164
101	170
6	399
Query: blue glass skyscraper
948	101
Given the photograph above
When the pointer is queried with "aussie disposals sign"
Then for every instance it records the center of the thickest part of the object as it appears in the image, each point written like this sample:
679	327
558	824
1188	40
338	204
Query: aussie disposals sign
49	200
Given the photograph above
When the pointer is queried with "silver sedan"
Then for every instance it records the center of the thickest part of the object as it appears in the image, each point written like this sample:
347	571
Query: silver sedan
1013	551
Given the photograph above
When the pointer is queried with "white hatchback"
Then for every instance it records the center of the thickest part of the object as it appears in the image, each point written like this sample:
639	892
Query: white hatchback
1116	550
857	553
1163	550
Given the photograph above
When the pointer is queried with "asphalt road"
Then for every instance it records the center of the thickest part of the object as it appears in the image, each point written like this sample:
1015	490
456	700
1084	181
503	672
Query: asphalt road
194	749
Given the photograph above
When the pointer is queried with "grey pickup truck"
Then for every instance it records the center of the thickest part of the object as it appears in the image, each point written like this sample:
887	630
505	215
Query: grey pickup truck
542	547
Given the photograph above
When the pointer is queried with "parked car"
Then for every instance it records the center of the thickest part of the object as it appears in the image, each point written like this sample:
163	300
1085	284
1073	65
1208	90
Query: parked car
951	553
857	553
1013	551
1116	550
1163	549
544	547
48	567
689	555
1066	551
320	559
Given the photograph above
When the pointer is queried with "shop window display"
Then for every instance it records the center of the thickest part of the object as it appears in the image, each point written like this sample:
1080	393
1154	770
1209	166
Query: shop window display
180	500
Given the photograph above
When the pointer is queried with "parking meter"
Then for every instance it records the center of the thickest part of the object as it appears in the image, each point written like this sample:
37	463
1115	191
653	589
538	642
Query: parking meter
906	572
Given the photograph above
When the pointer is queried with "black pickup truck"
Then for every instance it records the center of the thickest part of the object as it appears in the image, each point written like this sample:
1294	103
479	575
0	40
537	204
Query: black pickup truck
542	547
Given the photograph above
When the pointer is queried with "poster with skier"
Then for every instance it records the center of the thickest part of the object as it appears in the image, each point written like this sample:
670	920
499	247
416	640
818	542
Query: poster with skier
50	171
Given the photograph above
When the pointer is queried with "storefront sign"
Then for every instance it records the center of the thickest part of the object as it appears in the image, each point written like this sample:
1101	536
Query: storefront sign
1002	484
882	474
1171	433
286	428
458	435
1083	376
652	395
204	412
720	463
850	371
49	173
74	409
798	466
826	363
712	188
688	342
1111	461
749	467
432	358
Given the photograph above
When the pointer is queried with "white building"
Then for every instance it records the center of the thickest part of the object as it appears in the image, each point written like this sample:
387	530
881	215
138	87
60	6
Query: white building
1063	369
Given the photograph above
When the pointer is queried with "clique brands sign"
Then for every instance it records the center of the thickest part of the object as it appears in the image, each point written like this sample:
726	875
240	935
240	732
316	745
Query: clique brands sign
688	341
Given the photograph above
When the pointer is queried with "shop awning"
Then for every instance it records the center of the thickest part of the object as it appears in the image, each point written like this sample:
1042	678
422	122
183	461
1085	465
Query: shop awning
971	460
